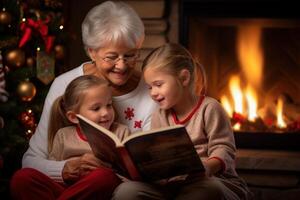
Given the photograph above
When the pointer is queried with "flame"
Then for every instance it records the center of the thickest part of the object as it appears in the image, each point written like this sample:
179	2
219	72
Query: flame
279	112
237	126
236	92
226	105
250	53
251	98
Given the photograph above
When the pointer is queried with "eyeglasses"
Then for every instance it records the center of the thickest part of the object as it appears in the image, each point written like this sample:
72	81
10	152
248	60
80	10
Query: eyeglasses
129	58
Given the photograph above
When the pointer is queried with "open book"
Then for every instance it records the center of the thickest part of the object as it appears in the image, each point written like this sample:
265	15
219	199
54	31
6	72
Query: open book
149	156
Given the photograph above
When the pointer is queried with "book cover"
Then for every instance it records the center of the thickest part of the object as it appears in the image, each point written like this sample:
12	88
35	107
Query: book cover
150	155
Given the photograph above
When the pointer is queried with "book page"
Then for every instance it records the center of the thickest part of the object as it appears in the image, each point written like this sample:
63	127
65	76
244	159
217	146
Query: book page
164	154
151	131
102	145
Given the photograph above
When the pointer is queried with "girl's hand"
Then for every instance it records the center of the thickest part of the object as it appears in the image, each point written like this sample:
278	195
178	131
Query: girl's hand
89	162
71	170
212	166
81	166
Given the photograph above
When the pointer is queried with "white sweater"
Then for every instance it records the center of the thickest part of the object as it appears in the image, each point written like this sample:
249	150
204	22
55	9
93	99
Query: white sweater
133	109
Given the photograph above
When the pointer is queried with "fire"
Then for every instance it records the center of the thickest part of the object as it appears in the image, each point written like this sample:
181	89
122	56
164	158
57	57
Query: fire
279	111
251	98
250	53
245	100
236	126
248	94
236	92
226	104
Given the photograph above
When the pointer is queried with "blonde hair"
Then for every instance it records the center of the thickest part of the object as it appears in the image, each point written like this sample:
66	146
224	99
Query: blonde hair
71	100
172	58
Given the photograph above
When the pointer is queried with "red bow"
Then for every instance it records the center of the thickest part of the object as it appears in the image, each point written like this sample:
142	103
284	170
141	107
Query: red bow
40	26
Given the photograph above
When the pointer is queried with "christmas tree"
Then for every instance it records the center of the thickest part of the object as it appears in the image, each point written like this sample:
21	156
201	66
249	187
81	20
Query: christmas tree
32	50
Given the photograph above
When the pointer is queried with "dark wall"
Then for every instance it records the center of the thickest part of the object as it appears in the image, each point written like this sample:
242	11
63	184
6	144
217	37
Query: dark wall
74	12
233	9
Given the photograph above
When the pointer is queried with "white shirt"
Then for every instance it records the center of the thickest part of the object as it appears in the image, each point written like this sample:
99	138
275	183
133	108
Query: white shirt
133	109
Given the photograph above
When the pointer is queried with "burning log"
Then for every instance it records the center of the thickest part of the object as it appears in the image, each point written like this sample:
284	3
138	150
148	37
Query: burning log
291	109
247	125
290	112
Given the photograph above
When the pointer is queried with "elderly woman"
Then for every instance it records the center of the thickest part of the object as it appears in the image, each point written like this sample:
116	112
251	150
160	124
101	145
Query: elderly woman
112	34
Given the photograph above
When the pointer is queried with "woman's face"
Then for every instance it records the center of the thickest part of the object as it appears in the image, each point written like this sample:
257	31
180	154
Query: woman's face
115	63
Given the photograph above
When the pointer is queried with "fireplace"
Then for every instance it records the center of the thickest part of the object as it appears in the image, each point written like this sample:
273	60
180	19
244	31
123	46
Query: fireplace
256	46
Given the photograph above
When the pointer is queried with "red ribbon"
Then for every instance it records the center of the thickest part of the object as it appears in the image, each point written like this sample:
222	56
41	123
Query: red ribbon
40	26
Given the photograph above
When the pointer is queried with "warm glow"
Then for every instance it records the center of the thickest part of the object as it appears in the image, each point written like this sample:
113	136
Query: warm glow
237	126
226	105
236	92
251	98
250	53
279	112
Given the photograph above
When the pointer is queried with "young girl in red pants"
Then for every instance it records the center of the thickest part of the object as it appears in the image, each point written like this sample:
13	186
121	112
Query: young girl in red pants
91	97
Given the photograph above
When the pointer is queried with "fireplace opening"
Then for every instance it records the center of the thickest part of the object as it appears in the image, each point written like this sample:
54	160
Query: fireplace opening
251	53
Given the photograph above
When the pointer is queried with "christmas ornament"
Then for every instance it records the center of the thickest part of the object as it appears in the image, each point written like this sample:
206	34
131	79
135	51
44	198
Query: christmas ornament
15	58
5	17
3	92
26	90
28	120
29	133
40	26
30	62
59	51
45	66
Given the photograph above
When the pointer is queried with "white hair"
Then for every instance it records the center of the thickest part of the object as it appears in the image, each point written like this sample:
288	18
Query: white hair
112	23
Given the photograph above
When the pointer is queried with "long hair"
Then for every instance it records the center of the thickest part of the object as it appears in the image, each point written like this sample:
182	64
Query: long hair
172	58
71	100
112	23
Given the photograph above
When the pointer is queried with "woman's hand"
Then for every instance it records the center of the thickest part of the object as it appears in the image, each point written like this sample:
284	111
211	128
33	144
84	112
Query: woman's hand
81	166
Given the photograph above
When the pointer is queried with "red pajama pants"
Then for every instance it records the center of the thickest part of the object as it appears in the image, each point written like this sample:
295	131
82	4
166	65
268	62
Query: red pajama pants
31	184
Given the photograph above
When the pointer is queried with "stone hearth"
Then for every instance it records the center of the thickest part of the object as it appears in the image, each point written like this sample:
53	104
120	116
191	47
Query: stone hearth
270	174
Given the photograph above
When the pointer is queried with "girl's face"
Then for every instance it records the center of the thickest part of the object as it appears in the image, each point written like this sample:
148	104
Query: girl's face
97	106
115	63
164	88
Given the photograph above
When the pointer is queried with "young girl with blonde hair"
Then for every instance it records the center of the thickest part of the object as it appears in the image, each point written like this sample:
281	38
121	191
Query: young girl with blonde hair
91	97
170	73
